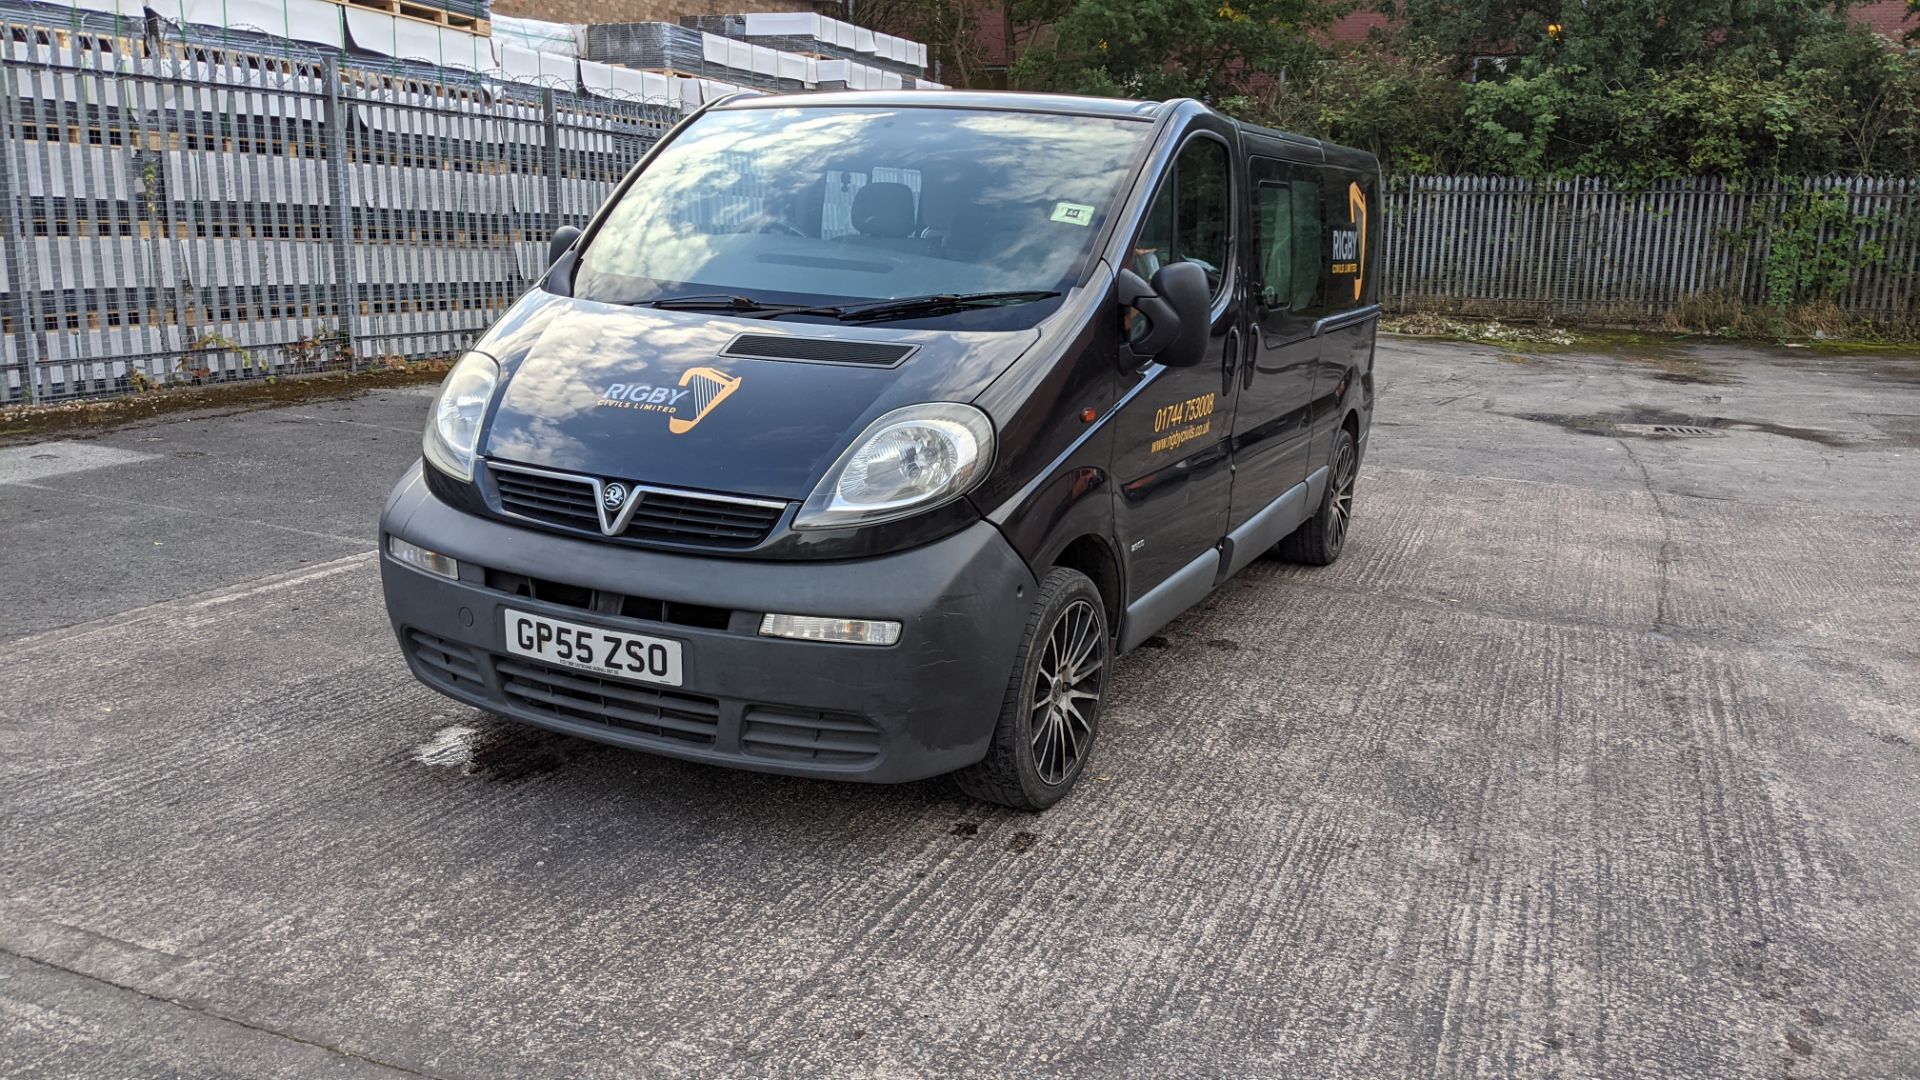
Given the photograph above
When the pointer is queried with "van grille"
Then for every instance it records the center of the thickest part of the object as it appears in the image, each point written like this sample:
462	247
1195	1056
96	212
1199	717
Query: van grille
580	695
690	517
665	514
545	498
602	602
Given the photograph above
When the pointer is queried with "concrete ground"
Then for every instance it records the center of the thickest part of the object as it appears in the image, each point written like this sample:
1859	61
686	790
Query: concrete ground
1594	756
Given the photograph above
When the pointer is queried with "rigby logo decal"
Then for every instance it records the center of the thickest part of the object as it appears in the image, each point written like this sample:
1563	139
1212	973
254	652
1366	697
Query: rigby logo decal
701	390
1350	241
1346	251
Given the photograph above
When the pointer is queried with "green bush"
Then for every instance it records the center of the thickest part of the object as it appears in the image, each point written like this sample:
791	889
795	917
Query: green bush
1632	90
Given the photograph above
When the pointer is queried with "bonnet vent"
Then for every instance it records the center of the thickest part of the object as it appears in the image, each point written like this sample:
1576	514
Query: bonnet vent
818	350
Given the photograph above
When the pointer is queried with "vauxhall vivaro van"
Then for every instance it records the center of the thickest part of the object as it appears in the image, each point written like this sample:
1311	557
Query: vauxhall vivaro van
857	434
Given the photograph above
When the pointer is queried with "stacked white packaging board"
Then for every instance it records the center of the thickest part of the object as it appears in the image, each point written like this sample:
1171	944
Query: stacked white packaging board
547	54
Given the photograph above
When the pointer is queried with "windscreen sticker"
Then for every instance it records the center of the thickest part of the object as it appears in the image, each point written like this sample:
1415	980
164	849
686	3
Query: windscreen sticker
1072	213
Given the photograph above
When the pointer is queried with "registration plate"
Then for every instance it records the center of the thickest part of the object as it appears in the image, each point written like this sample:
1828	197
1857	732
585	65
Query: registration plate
592	648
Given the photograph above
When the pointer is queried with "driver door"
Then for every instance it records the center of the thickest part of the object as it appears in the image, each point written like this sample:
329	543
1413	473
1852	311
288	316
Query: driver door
1171	439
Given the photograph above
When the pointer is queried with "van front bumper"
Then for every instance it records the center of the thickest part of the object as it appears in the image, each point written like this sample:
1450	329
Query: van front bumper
924	706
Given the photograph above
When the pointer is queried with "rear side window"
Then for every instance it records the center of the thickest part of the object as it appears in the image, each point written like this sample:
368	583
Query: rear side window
1288	226
1191	219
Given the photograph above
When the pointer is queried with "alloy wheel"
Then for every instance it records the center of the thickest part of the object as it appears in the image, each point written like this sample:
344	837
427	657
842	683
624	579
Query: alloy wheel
1067	690
1345	470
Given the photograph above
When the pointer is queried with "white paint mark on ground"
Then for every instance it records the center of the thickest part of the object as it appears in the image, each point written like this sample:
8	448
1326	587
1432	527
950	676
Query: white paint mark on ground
40	461
325	570
451	747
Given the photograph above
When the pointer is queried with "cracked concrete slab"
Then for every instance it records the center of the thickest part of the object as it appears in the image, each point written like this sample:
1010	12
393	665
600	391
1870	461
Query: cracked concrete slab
1593	756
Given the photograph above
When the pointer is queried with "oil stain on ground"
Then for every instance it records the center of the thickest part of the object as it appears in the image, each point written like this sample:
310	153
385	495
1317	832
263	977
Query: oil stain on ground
1641	420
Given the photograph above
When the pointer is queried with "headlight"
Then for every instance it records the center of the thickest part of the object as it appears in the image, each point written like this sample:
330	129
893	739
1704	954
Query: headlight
454	425
910	460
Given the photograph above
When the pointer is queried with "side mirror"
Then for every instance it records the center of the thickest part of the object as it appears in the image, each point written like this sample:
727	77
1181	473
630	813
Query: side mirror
563	238
1175	304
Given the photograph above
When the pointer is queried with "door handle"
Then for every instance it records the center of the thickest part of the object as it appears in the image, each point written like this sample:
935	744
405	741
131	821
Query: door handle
1230	358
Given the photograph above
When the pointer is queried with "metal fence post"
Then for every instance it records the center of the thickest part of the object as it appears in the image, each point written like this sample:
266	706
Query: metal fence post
340	212
550	121
13	302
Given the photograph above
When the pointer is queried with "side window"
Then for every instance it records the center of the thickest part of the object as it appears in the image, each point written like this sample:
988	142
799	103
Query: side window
1288	239
1273	209
1191	218
1309	245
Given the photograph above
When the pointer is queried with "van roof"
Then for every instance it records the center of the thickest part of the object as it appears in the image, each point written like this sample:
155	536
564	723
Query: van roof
1002	100
1066	104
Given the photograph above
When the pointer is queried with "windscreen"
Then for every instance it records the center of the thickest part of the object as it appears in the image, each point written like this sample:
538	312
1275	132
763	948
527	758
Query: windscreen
850	204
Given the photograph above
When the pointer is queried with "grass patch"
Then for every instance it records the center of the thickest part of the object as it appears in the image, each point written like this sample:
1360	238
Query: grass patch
1724	315
1821	327
1490	331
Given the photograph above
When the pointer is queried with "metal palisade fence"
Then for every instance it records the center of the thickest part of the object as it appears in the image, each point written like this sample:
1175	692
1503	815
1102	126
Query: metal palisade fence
1592	250
192	212
181	212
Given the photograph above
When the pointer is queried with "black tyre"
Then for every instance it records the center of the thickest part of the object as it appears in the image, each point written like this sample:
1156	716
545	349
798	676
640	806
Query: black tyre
1051	714
1320	539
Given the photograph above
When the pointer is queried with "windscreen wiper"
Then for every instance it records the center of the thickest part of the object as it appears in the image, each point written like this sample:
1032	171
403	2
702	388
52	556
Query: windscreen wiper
908	307
745	305
935	304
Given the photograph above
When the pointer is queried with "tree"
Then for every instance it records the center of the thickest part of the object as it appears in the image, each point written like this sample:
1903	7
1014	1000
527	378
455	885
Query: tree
1207	49
1614	39
1644	89
1404	104
1866	101
948	28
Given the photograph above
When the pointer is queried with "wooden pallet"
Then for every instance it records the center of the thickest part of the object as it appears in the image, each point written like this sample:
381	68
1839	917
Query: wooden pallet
426	13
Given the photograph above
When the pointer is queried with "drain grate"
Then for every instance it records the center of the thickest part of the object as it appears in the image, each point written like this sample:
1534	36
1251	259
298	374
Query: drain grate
1669	431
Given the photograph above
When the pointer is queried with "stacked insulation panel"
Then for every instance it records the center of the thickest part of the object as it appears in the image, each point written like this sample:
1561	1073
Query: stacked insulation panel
688	51
682	50
820	37
566	39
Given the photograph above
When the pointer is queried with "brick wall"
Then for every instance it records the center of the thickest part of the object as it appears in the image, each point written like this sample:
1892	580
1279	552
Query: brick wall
619	11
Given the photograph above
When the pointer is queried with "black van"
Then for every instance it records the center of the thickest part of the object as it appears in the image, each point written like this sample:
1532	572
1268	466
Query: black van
858	433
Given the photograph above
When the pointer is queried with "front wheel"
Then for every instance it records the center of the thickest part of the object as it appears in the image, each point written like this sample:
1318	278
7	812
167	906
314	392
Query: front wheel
1319	540
1051	714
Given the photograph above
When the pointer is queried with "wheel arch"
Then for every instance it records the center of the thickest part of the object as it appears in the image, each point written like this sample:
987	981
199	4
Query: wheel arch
1094	555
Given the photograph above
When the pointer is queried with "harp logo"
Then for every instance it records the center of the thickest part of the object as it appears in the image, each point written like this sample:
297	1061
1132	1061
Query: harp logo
709	388
700	391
